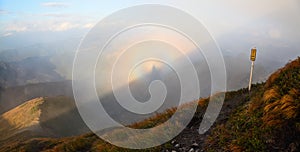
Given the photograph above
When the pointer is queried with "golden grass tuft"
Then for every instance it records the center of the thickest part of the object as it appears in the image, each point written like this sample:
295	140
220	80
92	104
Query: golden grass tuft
285	108
294	93
235	148
271	106
203	102
271	95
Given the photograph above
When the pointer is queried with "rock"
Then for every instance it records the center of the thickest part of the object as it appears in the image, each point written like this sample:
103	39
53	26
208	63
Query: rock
191	150
173	142
177	146
173	151
293	147
195	145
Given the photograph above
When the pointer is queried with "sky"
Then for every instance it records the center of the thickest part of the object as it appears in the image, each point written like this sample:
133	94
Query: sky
219	16
271	26
253	22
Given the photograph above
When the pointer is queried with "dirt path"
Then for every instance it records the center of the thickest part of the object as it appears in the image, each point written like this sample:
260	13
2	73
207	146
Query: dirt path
189	140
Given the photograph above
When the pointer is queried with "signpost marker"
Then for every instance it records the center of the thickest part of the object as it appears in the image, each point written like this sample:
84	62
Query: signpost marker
252	58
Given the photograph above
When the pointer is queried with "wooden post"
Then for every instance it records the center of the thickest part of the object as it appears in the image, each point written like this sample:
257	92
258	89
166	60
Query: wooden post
252	58
251	75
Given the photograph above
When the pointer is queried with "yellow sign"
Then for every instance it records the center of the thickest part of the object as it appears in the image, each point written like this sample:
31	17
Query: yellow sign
253	54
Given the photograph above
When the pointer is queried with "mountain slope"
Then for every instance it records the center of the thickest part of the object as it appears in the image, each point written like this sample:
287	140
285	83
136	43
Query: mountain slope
22	118
269	122
14	96
186	139
41	117
267	119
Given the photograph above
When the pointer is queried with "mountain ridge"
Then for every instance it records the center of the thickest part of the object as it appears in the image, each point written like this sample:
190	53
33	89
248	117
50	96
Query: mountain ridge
41	117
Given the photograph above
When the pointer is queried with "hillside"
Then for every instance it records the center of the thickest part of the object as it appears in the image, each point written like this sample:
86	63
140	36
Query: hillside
267	119
269	122
41	117
91	142
11	97
22	118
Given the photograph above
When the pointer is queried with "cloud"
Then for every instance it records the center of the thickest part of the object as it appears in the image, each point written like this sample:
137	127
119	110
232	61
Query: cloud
88	25
16	28
55	4
6	34
57	15
50	25
63	26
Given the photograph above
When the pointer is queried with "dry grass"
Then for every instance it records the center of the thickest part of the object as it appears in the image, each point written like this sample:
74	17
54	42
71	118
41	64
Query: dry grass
22	118
271	95
271	115
280	110
159	118
203	102
292	65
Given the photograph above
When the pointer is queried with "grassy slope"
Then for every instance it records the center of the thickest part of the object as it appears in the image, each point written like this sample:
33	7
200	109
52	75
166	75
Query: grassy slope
268	120
23	117
40	117
92	143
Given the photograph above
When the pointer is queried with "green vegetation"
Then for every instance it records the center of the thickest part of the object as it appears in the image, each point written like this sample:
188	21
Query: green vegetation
270	121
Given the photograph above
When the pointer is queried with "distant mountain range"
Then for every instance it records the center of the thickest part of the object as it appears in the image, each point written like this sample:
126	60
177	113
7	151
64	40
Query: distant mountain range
28	71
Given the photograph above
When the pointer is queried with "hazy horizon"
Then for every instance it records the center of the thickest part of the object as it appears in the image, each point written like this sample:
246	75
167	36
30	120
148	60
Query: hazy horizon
236	26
